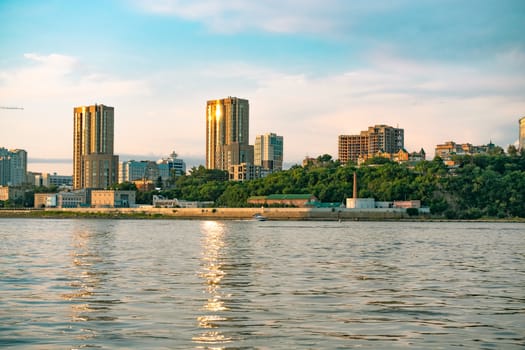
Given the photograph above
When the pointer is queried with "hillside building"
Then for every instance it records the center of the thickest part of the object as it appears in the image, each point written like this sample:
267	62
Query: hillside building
378	138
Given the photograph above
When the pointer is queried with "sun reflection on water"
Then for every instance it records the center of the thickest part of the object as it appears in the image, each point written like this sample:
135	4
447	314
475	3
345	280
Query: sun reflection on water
212	274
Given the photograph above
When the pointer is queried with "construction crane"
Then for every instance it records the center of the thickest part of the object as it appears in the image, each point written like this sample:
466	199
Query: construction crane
3	107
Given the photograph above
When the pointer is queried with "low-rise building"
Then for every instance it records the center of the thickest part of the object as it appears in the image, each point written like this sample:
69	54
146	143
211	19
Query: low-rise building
360	203
45	200
292	200
57	180
407	204
244	171
10	193
447	150
162	202
401	156
74	199
112	199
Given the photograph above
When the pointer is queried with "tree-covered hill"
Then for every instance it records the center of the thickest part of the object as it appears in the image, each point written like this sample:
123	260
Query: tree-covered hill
479	186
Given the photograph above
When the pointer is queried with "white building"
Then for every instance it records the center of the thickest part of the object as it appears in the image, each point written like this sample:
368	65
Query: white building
173	164
360	203
138	170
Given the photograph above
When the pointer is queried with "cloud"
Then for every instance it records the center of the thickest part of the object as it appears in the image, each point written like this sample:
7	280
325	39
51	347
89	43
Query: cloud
48	87
55	75
276	16
434	102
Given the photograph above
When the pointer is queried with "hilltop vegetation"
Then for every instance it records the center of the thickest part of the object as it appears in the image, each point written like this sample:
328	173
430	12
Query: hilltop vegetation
480	185
490	185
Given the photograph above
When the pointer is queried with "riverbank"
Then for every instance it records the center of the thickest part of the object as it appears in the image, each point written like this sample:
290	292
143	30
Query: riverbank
296	214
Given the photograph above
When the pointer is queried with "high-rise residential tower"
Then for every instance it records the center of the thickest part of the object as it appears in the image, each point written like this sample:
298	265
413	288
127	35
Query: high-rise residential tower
13	167
94	164
268	152
378	138
522	134
227	133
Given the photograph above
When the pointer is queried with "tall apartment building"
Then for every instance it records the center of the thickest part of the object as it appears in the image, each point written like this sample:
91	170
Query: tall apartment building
227	133
522	134
94	164
378	138
268	152
13	167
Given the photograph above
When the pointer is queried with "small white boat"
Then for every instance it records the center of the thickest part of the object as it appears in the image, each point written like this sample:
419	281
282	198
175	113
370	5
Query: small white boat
259	217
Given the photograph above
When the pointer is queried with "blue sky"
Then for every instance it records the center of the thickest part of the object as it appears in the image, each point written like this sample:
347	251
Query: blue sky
312	70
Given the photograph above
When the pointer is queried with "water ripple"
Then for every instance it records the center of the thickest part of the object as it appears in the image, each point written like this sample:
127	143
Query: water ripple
72	284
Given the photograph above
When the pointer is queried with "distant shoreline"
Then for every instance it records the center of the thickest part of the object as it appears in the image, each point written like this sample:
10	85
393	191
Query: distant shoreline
270	214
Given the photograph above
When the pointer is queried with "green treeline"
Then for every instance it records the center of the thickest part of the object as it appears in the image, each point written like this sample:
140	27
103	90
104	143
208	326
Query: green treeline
480	185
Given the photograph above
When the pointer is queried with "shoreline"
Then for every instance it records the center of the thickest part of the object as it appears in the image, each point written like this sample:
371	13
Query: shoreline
270	214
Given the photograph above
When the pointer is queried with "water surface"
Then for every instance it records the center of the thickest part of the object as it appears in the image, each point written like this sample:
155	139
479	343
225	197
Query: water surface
154	284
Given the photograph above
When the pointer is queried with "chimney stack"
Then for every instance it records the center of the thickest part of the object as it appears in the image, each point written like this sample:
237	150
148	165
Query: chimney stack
355	186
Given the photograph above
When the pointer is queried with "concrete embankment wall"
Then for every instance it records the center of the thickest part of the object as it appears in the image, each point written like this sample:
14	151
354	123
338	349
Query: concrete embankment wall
248	213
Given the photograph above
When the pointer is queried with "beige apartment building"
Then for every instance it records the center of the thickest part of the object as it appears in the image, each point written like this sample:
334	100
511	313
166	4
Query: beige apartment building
377	139
94	164
112	199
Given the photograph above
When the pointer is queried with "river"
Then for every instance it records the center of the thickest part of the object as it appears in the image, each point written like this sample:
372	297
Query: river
177	284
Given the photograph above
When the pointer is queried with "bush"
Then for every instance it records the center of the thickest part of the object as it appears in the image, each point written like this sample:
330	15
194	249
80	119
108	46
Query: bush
412	211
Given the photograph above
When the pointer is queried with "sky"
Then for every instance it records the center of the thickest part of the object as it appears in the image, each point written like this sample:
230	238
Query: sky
312	70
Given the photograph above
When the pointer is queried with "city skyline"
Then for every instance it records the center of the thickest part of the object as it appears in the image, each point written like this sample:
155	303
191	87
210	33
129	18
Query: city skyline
441	70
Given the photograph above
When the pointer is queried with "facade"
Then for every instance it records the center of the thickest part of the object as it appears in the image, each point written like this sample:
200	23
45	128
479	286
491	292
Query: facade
360	203
45	200
244	171
268	152
74	199
13	167
378	138
112	199
227	133
94	164
522	134
57	180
